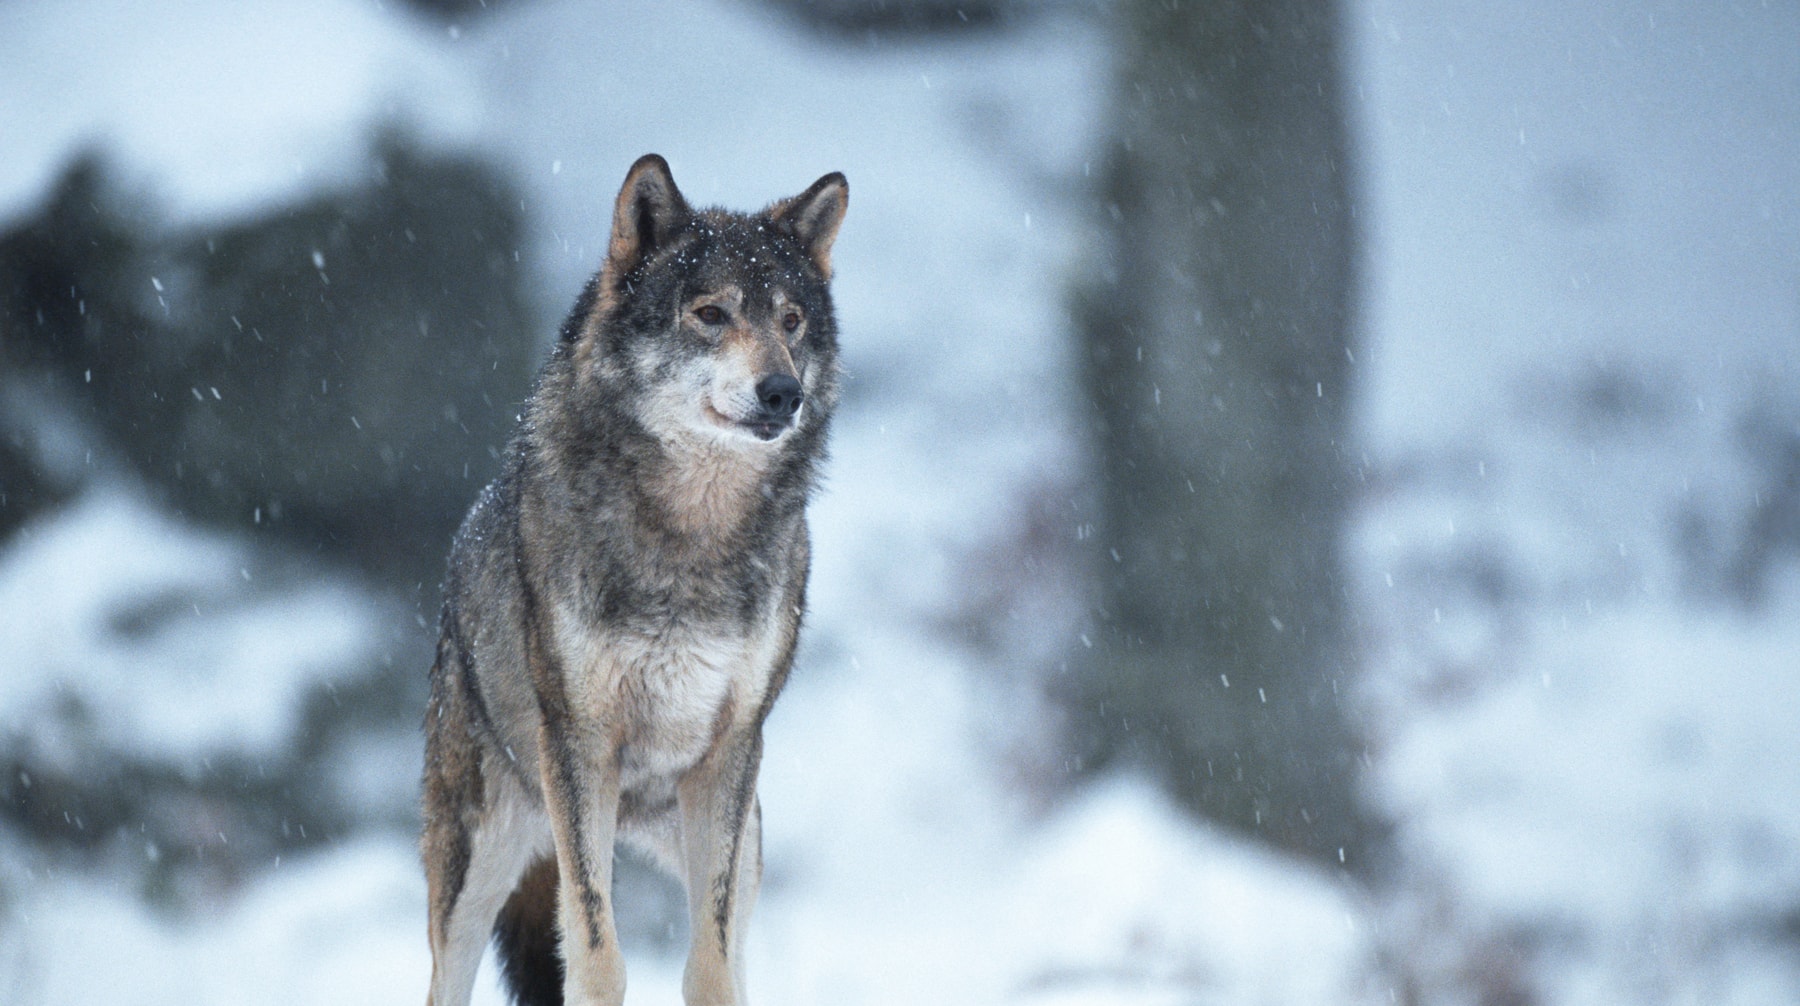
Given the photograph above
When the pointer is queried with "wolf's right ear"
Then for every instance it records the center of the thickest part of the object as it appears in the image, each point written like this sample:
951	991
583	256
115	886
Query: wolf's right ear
649	210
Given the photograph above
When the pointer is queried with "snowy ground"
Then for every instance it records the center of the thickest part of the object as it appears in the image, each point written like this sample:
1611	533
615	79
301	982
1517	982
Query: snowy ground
1582	282
1585	318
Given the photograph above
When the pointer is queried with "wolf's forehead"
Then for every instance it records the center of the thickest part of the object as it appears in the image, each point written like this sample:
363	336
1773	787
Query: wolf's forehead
745	252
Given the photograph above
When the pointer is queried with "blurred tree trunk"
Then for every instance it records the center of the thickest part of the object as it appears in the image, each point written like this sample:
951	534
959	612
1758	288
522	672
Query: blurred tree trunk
1218	340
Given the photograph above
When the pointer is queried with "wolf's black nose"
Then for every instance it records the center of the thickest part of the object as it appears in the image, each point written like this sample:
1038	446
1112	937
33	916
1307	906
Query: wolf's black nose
779	394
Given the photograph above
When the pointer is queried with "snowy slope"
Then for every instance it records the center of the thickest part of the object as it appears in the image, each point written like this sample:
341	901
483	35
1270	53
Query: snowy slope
119	593
1585	340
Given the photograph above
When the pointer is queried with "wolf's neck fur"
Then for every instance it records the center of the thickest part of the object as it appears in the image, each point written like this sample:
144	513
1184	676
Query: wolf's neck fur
708	490
690	497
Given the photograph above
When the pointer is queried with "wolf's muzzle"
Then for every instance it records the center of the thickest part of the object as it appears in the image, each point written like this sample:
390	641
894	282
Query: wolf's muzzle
779	395
778	398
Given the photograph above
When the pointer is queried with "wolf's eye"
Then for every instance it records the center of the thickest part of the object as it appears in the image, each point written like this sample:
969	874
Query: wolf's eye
710	314
790	321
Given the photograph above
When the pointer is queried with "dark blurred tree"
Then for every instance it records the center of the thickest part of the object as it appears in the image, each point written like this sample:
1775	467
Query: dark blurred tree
880	21
456	10
1218	338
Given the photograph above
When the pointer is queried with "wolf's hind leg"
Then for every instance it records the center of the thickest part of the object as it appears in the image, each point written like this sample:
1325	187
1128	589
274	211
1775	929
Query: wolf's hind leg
472	867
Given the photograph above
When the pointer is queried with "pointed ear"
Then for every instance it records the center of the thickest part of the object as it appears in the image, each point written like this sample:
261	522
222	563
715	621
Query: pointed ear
813	216
648	212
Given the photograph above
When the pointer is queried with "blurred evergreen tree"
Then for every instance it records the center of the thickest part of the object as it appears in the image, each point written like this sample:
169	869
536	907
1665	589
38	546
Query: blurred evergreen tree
1218	337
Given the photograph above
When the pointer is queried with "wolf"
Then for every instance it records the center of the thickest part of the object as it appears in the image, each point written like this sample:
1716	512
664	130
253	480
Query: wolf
621	605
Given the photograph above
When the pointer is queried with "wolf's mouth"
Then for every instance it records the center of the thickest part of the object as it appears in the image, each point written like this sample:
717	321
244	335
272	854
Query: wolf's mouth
760	428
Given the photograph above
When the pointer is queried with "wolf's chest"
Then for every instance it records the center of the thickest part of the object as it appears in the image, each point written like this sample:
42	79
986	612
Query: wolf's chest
664	697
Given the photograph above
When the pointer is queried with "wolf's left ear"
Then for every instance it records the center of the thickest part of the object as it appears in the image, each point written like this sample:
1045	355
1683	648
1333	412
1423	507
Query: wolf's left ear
648	212
813	216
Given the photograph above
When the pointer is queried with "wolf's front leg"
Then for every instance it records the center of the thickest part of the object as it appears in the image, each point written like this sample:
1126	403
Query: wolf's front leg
581	792
722	843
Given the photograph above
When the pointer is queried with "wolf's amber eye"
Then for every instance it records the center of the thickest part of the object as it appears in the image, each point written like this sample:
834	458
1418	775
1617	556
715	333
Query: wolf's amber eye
790	321
711	314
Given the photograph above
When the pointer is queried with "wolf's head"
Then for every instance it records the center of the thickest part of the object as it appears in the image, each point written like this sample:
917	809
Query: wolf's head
715	327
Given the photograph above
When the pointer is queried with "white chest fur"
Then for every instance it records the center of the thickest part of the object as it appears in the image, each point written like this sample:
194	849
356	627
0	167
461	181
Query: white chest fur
662	698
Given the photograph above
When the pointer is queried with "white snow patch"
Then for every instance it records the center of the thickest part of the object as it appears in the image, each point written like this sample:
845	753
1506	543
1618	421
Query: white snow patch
1143	903
335	927
217	109
1648	762
148	637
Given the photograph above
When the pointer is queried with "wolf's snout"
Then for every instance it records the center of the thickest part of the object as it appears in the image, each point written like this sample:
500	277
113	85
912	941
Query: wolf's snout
779	395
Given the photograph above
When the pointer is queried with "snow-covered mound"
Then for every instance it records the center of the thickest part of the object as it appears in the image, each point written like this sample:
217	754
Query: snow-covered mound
131	635
218	109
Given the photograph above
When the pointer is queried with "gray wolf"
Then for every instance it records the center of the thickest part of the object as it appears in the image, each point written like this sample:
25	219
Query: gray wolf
622	603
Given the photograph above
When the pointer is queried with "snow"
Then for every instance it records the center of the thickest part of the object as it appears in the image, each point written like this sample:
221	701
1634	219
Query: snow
1582	228
1143	894
120	616
218	109
331	928
1658	732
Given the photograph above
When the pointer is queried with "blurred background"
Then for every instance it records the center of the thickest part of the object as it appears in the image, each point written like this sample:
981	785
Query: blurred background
1314	518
